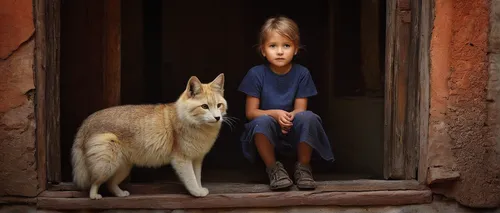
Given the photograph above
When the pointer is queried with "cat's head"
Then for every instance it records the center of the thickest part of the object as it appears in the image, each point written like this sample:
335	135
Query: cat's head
203	103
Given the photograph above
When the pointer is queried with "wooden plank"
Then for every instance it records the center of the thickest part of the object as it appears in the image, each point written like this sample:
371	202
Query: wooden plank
404	4
397	75
412	125
112	57
17	200
52	101
224	188
401	96
267	199
64	194
40	71
389	85
424	70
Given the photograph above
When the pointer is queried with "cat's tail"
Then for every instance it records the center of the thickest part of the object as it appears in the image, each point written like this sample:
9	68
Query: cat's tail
96	157
81	176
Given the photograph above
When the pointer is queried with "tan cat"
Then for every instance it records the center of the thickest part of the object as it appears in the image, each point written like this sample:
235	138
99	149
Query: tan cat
111	141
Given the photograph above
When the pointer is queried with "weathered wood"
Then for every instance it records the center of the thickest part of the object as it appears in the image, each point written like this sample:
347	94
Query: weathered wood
397	75
404	4
40	71
401	95
52	101
228	188
426	15
64	194
267	199
412	116
389	85
112	57
17	200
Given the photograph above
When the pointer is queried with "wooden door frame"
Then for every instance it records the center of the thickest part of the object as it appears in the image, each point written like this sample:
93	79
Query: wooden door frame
47	58
47	70
407	88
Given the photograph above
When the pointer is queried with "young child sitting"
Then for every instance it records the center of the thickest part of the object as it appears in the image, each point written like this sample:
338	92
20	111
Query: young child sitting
276	105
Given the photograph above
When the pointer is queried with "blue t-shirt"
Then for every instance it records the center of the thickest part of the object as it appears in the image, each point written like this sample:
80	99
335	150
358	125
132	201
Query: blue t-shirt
278	91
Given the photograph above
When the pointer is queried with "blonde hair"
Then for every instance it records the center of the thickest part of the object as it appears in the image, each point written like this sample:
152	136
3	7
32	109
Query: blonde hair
282	25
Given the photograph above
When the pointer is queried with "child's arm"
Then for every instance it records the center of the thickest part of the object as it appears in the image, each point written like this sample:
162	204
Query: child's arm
252	109
300	105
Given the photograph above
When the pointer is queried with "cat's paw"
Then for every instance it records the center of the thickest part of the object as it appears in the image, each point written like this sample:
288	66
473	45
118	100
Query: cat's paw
205	190
200	192
95	196
123	193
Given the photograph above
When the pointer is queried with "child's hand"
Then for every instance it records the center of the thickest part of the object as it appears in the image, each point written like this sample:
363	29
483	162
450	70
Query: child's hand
284	119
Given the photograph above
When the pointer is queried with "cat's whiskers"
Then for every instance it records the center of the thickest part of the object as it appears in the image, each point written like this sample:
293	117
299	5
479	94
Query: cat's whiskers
230	121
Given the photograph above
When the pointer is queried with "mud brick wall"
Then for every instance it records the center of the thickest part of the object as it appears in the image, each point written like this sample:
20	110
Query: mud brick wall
463	112
18	175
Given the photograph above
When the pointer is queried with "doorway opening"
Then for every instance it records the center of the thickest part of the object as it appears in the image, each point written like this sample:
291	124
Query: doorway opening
164	43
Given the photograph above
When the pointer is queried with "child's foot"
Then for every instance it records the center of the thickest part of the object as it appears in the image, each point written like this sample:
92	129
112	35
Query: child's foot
303	177
278	177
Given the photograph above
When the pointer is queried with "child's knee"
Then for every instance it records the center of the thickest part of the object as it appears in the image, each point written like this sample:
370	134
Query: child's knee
307	117
265	120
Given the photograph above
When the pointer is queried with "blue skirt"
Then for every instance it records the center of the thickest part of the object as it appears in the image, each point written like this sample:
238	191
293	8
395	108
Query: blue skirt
307	127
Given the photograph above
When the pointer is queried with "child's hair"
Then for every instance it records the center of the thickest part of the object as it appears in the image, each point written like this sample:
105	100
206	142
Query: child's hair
282	25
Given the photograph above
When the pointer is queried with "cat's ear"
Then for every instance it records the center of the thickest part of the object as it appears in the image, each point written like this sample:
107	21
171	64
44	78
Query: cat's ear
218	82
193	87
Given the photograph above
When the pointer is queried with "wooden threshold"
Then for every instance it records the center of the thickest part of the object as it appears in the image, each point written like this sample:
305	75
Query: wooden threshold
17	200
66	189
234	195
254	200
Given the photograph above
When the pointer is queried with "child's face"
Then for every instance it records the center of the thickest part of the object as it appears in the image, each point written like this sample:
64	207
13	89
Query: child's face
278	49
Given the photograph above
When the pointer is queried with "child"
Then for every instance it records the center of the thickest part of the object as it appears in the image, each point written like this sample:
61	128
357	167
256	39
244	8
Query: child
276	106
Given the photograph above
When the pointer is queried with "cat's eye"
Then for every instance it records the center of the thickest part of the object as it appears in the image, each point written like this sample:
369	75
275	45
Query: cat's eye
219	105
204	106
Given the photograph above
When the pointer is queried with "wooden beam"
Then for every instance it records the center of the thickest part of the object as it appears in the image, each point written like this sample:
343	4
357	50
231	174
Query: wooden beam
40	71
399	144
52	97
401	74
266	199
17	200
389	85
112	56
411	137
66	189
426	23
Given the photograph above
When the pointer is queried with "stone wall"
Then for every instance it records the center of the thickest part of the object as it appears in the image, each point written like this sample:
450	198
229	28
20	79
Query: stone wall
463	120
17	120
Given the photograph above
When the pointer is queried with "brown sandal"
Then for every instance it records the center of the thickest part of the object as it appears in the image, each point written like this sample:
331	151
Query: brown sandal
278	177
303	177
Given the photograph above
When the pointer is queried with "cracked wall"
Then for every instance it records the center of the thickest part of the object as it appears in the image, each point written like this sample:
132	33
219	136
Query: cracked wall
463	120
18	175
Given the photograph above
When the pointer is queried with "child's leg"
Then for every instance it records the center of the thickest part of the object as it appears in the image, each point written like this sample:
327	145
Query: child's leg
304	153
303	172
278	177
263	127
265	149
308	130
